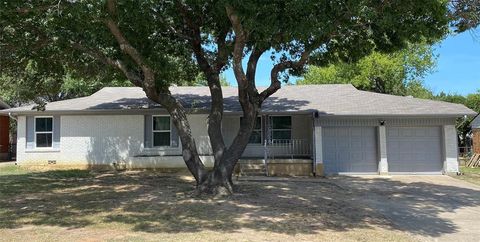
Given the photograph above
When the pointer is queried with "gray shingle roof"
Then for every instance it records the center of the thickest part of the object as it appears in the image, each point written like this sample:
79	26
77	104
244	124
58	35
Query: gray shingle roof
3	105
326	99
476	123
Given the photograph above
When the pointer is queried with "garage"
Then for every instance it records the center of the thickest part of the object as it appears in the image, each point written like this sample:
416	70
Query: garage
349	150
414	150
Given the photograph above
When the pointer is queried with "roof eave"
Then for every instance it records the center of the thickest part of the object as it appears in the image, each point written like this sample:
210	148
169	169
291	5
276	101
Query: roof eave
441	115
205	111
4	105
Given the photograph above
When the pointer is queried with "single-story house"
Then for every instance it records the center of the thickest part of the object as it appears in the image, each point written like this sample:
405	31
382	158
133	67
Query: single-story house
476	135
305	129
4	131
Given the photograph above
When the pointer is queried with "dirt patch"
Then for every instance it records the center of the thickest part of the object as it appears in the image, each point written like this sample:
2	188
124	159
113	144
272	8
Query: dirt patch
79	205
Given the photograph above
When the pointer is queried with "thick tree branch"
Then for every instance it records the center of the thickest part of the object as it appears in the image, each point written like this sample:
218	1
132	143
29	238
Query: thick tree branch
118	64
195	38
161	95
223	50
238	48
212	75
247	94
275	83
148	74
252	65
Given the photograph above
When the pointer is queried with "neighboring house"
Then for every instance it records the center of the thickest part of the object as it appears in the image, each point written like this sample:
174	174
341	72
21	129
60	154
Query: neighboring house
322	129
4	131
476	135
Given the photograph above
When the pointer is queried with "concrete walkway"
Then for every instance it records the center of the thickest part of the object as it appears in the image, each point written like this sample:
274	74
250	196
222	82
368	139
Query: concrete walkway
436	208
7	163
430	208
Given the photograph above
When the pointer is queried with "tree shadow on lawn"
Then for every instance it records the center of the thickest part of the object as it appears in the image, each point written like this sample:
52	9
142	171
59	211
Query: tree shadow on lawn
159	203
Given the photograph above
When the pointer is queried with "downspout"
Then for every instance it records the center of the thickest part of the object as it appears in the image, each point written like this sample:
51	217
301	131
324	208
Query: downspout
11	116
314	146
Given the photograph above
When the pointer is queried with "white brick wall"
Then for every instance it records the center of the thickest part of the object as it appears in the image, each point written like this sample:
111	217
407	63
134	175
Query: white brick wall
89	139
101	139
105	139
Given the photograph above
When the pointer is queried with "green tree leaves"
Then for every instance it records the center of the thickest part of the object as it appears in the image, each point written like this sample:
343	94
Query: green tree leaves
397	73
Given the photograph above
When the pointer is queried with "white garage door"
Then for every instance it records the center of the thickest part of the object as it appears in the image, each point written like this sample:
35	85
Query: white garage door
349	150
414	149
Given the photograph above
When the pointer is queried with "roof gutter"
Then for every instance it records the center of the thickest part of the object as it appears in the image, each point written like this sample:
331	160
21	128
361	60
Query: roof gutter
137	112
457	115
320	114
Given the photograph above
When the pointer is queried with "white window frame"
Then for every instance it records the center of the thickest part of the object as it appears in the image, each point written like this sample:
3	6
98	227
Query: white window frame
161	131
261	131
273	129
42	132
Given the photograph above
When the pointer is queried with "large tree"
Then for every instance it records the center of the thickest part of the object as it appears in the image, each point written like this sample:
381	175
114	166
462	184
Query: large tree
152	43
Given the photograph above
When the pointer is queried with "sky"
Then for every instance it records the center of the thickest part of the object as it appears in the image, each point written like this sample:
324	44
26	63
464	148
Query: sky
457	71
458	67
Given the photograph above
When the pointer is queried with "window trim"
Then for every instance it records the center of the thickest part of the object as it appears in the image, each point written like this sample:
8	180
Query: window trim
261	131
42	132
273	129
161	131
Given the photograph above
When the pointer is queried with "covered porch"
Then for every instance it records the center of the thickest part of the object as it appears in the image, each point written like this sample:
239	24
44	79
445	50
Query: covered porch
279	145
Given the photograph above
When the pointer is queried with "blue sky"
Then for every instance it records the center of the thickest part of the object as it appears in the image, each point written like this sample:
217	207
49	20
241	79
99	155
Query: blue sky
457	71
458	67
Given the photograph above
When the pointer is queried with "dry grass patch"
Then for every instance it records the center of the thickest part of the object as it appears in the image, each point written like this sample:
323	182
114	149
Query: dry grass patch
83	205
469	174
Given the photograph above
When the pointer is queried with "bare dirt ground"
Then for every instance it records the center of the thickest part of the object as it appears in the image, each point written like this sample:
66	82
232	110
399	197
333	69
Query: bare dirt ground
150	206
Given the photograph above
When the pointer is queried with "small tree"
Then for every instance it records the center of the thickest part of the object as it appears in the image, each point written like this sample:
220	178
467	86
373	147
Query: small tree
153	43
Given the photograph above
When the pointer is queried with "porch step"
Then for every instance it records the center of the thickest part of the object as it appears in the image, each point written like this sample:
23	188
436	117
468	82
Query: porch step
252	166
251	170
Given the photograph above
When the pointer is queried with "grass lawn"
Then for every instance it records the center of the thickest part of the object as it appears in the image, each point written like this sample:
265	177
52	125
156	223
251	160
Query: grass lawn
149	206
470	174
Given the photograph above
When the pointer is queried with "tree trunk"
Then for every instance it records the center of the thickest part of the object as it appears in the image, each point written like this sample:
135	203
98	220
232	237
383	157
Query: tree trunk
218	183
219	179
189	148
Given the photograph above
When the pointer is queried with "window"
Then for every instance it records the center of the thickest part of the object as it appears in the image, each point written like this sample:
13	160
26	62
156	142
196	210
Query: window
43	132
256	136
281	127
161	131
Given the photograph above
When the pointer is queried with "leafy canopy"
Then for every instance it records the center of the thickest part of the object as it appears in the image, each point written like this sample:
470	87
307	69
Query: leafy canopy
74	33
397	73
